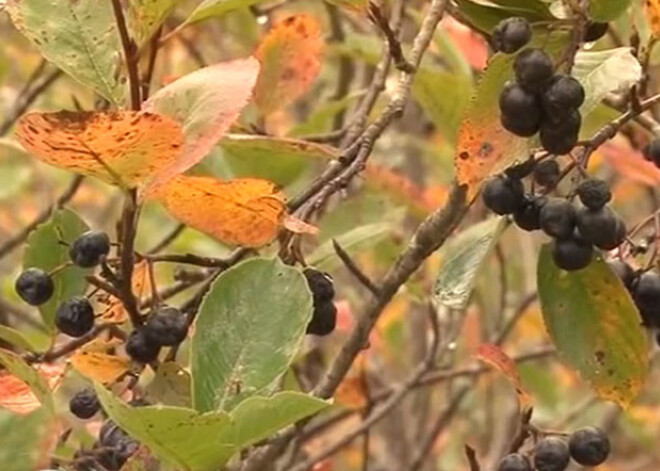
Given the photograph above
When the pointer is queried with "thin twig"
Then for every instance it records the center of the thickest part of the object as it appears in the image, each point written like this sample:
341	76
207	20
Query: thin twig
471	456
167	240
129	55
354	269
400	62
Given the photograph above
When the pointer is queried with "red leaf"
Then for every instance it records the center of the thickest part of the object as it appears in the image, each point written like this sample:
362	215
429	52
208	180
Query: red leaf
495	357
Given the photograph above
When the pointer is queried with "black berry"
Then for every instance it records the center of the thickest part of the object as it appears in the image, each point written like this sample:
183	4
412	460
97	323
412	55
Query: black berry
503	195
140	347
559	137
558	218
324	319
547	173
551	454
528	216
511	34
594	193
652	152
320	284
623	271
646	294
564	94
521	170
520	109
572	254
75	317
595	31
167	326
120	446
601	227
589	446
514	462
34	286
534	69
84	404
88	249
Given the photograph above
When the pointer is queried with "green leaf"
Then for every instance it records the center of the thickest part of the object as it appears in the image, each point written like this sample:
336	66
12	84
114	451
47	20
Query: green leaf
322	116
535	6
15	173
22	440
461	259
215	8
281	160
607	10
248	330
79	36
595	326
444	109
19	368
170	386
16	338
146	16
355	5
604	72
45	250
195	441
485	17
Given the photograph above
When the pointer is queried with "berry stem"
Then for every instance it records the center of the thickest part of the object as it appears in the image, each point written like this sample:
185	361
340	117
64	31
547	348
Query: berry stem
124	285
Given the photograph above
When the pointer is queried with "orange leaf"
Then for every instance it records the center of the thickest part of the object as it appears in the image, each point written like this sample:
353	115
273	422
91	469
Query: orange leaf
93	361
124	148
653	15
246	212
290	61
630	164
17	397
115	311
351	393
299	226
495	357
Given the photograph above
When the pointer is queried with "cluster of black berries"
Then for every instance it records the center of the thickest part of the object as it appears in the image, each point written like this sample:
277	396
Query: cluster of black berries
165	327
538	100
324	317
112	449
575	230
588	446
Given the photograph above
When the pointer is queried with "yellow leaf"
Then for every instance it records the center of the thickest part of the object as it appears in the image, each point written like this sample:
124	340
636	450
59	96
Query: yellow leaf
115	311
93	361
653	14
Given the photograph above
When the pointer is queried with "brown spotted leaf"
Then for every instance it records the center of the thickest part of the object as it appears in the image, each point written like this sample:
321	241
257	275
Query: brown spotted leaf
290	57
246	212
97	362
124	148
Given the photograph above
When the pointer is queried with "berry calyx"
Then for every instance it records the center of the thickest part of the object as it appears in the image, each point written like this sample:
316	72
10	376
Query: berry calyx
503	195
320	284
84	404
75	317
601	227
167	326
564	94
547	173
589	446
559	137
594	193
652	152
140	347
511	34
324	319
595	31
534	69
558	218
35	286
520	110
528	216
572	254
89	248
514	462
551	454
646	294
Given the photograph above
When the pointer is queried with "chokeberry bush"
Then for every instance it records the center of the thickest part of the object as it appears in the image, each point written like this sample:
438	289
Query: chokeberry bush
301	234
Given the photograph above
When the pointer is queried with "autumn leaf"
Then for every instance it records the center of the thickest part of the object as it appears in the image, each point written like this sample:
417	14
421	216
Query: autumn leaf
18	397
115	312
96	363
653	15
124	148
495	357
205	103
246	212
290	61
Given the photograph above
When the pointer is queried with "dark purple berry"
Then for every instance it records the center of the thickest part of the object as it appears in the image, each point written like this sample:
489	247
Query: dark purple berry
558	218
572	254
521	170
551	454
594	193
514	462
324	319
589	446
547	173
623	271
602	227
511	34
35	286
75	317
89	248
563	95
528	216
534	69
652	152
320	284
503	195
595	31
167	326
646	294
561	137
520	110
84	404
140	347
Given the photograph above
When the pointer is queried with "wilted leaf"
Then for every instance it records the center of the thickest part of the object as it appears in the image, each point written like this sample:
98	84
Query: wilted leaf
484	146
24	389
146	16
215	8
290	57
461	258
205	103
79	36
495	357
170	386
245	338
94	362
173	433
46	251
114	311
246	212
125	148
607	10
595	326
